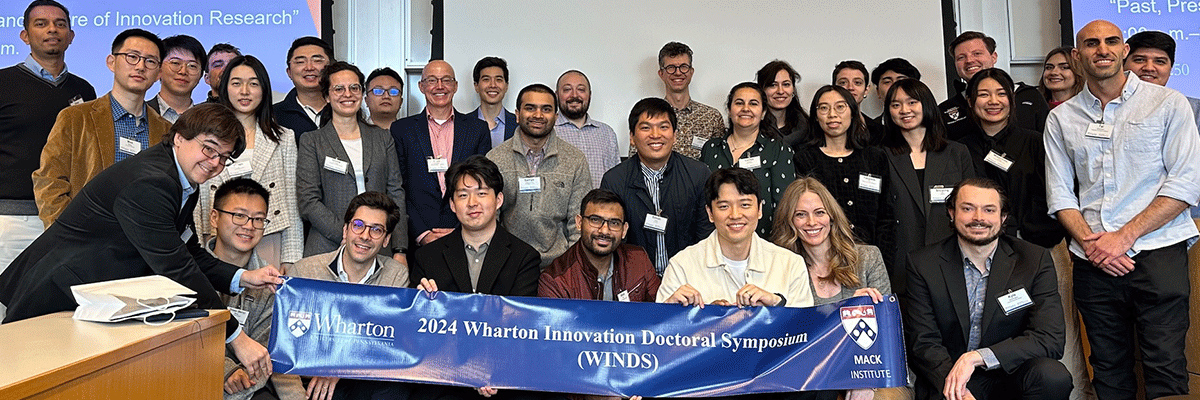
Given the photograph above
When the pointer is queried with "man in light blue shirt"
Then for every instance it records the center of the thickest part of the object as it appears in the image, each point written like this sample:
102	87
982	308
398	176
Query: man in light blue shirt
1133	149
491	83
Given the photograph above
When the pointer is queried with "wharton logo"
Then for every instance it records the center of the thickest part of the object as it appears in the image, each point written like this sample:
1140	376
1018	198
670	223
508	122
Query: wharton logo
859	322
298	322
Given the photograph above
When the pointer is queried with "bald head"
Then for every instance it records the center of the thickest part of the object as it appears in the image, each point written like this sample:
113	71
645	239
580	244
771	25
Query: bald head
1097	27
1100	50
438	86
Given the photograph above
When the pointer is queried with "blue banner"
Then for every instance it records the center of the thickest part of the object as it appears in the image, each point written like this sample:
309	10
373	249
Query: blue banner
583	346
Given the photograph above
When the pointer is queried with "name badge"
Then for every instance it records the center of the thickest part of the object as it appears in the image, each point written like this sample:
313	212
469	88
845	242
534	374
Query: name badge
750	163
1099	130
436	165
531	184
239	168
698	142
623	296
938	194
870	183
998	160
336	165
129	146
656	223
77	100
187	234
1014	301
240	315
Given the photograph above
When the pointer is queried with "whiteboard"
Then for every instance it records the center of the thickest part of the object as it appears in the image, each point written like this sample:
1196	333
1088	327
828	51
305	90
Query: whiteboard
616	43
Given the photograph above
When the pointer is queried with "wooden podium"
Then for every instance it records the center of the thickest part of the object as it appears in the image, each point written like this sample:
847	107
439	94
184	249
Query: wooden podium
54	356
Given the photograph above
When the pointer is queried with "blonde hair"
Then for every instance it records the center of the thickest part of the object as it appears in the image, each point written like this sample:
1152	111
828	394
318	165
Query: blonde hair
843	257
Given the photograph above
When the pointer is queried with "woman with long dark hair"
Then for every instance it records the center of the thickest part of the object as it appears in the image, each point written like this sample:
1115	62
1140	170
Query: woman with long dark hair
778	81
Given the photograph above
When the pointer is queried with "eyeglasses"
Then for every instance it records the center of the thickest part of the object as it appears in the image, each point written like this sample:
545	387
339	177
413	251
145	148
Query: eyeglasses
134	59
178	64
340	89
315	60
445	80
240	219
681	68
597	221
840	107
378	91
358	226
226	159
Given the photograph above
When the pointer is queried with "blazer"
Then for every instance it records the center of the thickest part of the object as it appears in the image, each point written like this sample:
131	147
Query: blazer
79	146
425	204
510	267
510	123
919	221
323	195
937	317
127	222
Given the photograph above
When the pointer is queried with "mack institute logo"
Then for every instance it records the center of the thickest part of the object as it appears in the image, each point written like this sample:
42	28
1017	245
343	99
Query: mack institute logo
299	322
859	322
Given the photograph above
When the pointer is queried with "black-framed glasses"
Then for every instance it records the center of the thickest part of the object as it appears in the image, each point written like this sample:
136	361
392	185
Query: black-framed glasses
358	226
134	59
178	64
240	219
353	88
681	68
225	159
597	221
379	91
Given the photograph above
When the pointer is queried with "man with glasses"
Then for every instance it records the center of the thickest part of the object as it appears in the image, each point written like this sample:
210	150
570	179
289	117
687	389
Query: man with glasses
184	66
305	108
595	139
218	56
697	122
89	137
385	95
426	145
491	83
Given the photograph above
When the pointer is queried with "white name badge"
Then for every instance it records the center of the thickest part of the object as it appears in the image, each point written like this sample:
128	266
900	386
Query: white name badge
77	100
239	314
336	165
187	234
656	223
698	142
129	146
870	183
531	184
239	168
623	296
436	165
998	160
750	163
1100	130
1014	301
938	194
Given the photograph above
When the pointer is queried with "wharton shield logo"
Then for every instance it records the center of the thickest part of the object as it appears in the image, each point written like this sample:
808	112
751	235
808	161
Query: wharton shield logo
298	322
859	322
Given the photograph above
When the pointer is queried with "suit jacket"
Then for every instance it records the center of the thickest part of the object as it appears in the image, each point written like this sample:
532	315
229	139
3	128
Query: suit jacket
80	146
937	317
510	267
130	221
919	221
510	124
426	207
323	194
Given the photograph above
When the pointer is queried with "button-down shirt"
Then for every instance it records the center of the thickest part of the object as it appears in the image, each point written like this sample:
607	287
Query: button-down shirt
605	281
125	125
595	139
653	181
441	137
696	119
313	114
497	133
166	111
475	258
533	158
1152	152
43	73
342	276
977	282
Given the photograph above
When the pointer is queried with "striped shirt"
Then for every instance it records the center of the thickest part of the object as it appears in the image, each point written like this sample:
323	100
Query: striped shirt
653	180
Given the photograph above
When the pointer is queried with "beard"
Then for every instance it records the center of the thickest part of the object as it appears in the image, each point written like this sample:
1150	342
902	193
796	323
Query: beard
566	110
589	244
983	241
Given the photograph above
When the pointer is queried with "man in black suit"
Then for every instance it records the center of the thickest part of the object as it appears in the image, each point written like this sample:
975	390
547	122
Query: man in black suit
983	300
135	219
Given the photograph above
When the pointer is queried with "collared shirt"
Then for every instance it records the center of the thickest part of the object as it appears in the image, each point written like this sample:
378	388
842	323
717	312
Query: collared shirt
441	138
475	258
313	114
977	282
606	283
342	276
696	120
533	158
1152	151
127	126
43	73
498	131
653	179
166	111
595	139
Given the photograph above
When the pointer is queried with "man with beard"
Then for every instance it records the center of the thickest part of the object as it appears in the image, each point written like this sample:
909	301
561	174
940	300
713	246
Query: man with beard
599	266
595	139
550	175
984	300
1120	172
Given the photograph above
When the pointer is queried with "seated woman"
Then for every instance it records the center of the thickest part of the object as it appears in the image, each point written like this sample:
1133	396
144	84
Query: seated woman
1061	78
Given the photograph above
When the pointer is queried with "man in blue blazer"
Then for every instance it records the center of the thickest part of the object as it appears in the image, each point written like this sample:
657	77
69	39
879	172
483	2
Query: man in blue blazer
426	145
491	83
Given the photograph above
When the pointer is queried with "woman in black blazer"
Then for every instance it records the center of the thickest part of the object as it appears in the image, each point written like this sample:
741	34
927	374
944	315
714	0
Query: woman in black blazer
922	169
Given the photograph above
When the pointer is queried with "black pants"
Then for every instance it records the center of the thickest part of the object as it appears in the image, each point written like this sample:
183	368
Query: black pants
1036	379
1153	299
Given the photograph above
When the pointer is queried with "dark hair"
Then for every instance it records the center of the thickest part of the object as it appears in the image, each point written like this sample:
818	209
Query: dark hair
51	3
1003	79
1071	63
265	113
309	41
378	201
969	36
979	182
857	135
489	62
536	88
673	49
223	48
899	65
142	33
1152	40
478	167
652	107
935	129
794	115
764	128
585	78
339	66
239	185
384	71
213	119
741	178
188	44
851	64
600	196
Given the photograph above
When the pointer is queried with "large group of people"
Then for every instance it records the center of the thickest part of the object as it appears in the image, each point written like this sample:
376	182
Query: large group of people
952	206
